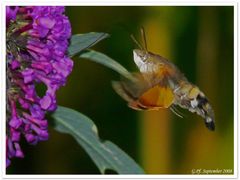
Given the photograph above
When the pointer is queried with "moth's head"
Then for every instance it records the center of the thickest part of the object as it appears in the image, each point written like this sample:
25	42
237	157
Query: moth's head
140	55
140	58
145	61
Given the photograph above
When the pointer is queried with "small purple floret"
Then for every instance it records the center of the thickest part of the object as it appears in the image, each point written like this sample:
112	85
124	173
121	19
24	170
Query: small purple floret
11	12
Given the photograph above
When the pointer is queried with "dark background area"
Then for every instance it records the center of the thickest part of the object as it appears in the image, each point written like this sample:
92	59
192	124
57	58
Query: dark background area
199	40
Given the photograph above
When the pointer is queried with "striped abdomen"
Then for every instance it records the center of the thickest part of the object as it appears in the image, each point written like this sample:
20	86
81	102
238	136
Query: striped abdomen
189	96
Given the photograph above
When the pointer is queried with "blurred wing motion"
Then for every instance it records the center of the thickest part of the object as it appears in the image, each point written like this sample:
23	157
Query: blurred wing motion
160	84
142	94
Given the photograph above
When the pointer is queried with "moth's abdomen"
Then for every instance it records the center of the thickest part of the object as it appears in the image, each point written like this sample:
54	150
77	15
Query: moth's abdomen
189	96
204	105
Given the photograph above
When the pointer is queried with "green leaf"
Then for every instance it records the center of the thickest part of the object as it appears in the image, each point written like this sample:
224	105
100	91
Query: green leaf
106	61
80	42
105	155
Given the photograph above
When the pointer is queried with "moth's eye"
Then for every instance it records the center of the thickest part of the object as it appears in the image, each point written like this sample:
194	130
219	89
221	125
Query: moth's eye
144	57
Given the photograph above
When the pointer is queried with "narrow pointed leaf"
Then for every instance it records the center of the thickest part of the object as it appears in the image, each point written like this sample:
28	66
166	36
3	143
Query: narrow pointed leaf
80	42
105	154
106	61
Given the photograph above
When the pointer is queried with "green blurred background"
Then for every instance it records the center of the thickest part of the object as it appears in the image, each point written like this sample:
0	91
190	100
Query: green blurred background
199	40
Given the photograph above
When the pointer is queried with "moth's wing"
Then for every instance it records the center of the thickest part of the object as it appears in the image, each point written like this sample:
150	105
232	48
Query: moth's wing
143	94
157	97
161	70
121	91
131	90
126	94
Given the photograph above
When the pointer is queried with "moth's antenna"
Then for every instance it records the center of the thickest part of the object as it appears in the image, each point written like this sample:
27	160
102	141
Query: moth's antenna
144	38
137	43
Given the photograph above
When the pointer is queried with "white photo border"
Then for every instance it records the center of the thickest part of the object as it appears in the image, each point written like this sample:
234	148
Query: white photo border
4	3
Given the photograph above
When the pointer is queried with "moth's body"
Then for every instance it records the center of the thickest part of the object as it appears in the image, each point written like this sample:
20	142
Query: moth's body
160	84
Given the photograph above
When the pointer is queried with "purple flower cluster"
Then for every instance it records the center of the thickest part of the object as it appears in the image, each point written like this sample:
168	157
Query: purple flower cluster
37	42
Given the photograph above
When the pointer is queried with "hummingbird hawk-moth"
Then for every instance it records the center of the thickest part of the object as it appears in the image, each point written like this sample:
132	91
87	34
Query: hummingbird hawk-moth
160	84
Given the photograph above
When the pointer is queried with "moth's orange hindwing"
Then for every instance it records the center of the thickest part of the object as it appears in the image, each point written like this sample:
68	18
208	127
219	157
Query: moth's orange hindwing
157	97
